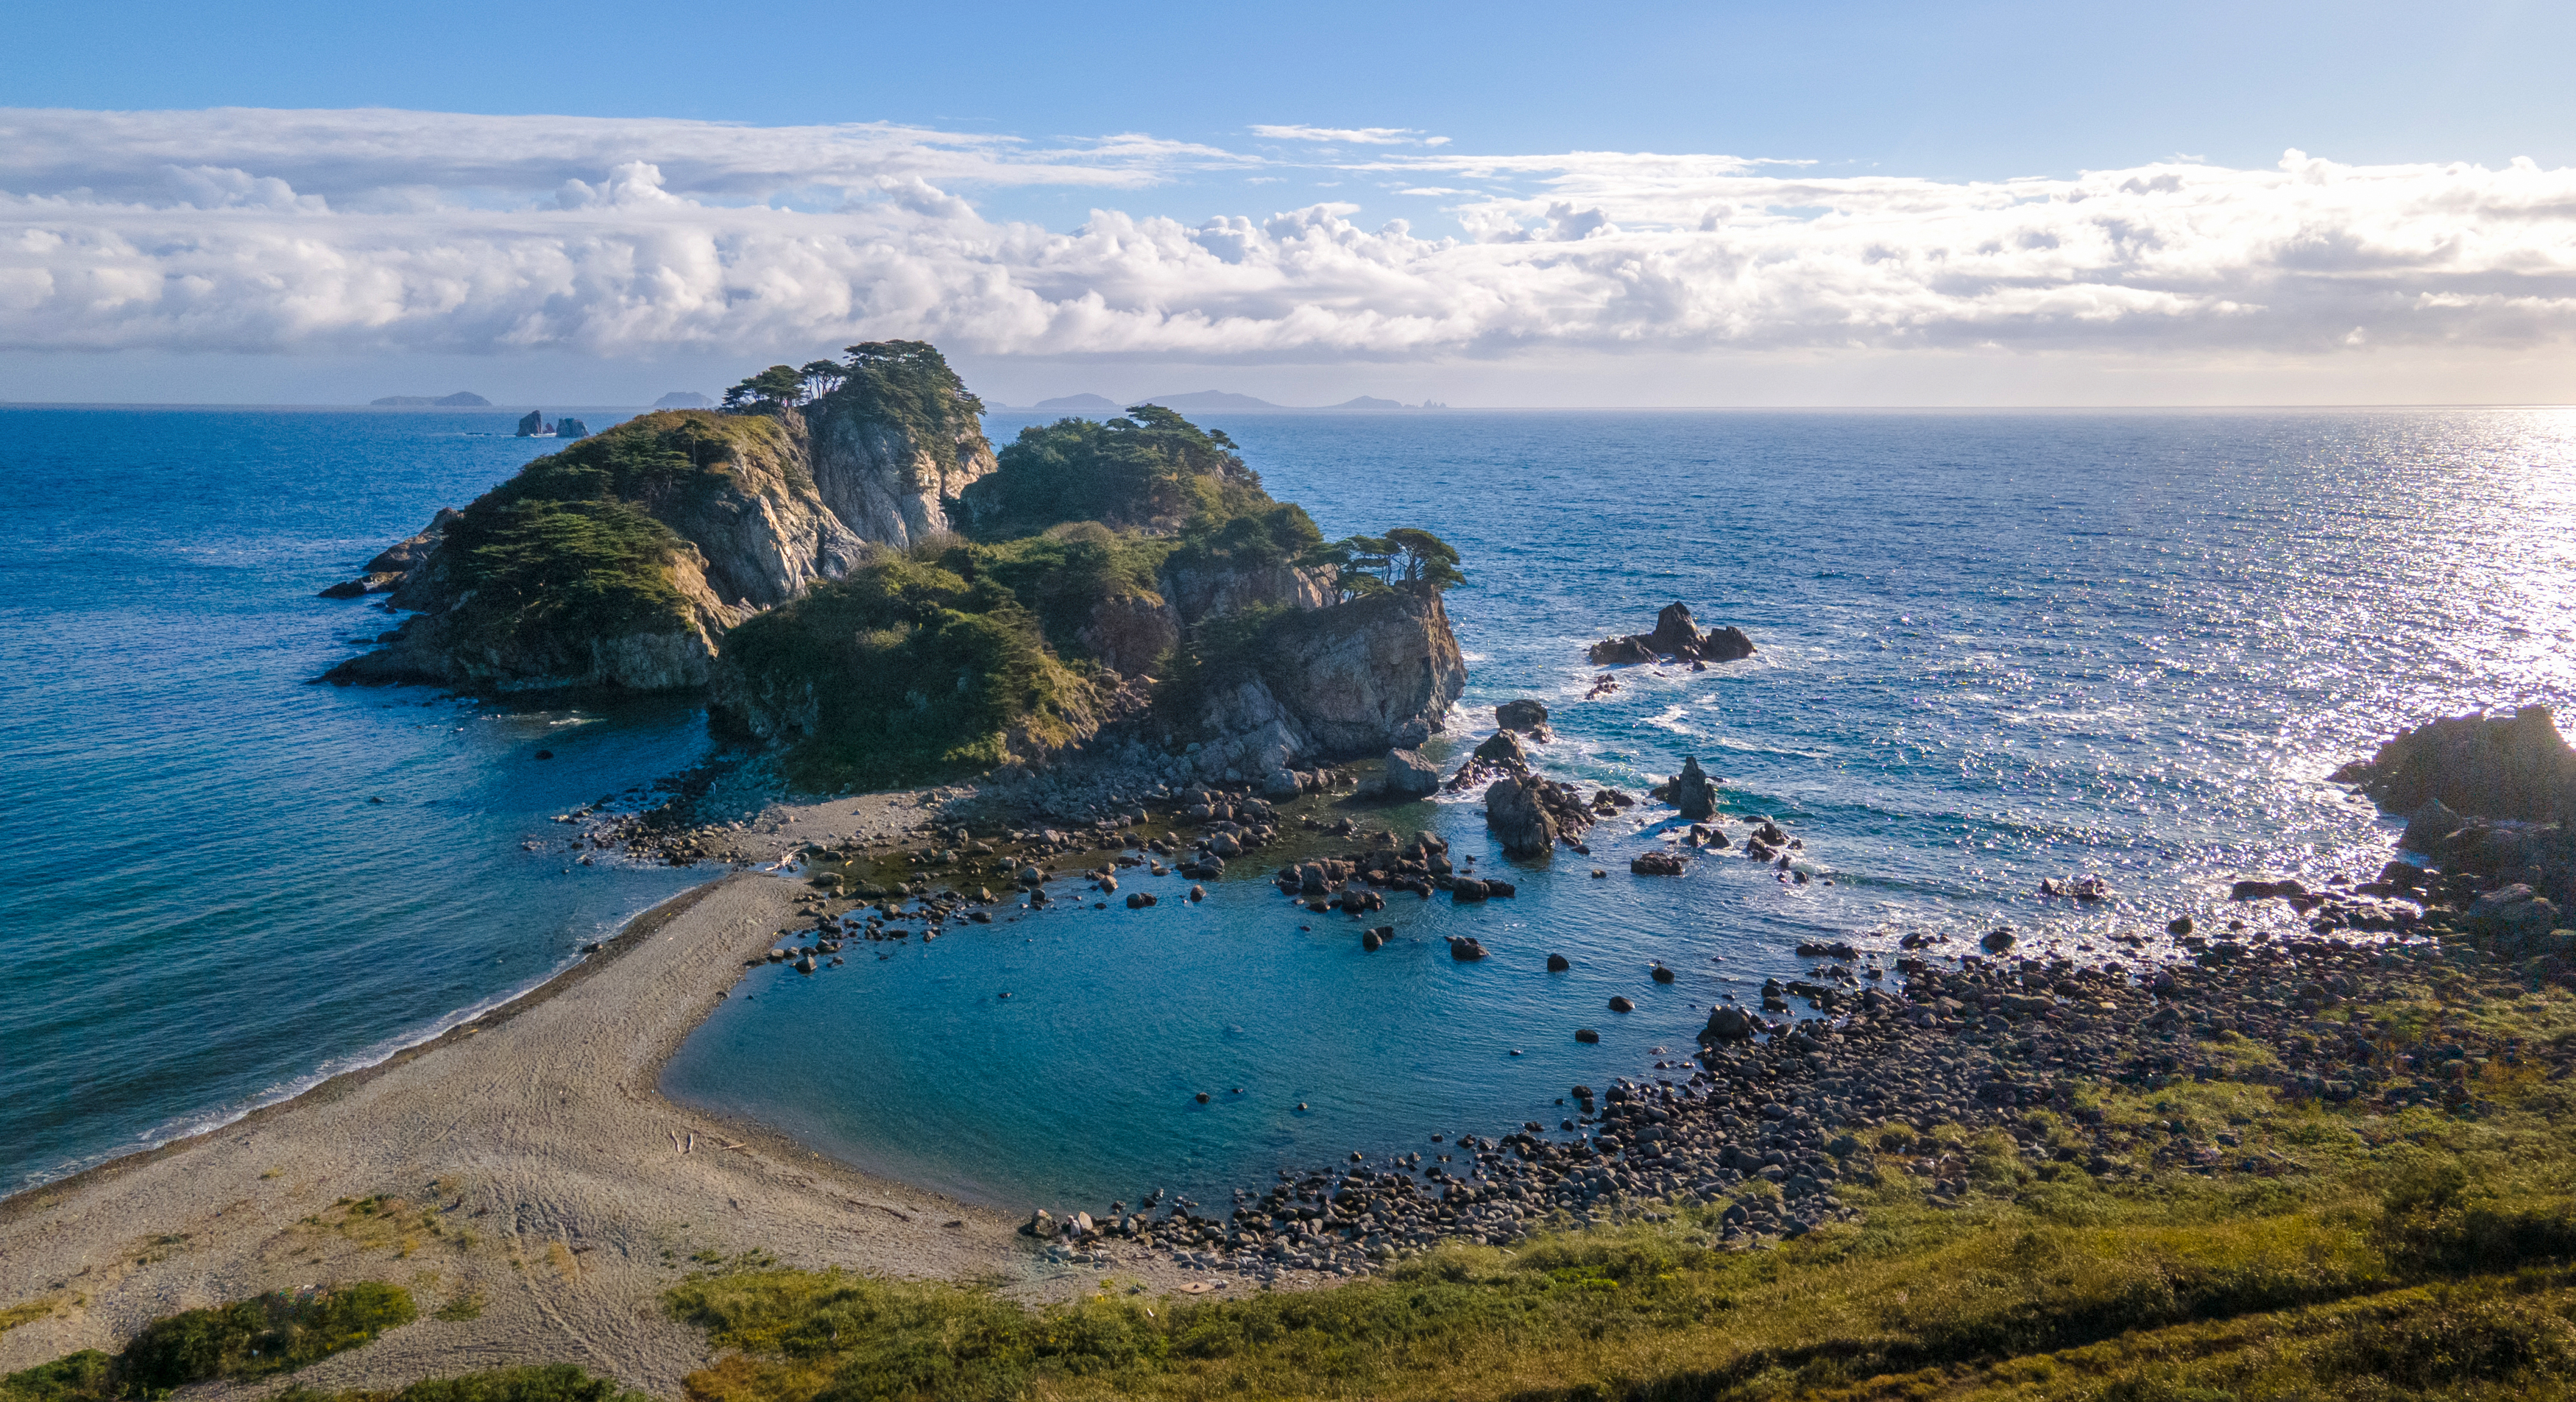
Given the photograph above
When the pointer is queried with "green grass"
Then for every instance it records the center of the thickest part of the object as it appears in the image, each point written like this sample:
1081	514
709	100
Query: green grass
249	1339
2414	1254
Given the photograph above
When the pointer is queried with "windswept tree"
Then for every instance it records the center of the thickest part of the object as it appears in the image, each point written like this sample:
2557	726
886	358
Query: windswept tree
1402	558
822	377
781	386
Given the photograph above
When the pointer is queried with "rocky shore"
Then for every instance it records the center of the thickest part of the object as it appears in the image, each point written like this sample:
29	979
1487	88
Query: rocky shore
1767	1115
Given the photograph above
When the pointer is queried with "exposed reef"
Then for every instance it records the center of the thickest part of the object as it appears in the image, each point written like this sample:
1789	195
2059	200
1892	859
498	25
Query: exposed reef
1676	636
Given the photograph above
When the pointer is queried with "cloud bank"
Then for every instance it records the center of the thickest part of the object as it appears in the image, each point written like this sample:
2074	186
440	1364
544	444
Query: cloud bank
323	232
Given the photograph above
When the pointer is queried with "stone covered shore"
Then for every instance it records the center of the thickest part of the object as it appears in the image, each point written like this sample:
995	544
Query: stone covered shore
1771	1124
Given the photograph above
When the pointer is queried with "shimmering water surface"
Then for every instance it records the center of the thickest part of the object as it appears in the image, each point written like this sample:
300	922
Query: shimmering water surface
1995	647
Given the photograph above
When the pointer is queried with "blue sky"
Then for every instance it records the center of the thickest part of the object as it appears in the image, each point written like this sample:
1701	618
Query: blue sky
2286	297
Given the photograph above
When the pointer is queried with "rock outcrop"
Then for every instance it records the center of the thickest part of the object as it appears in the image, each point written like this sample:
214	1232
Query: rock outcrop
411	552
1691	791
2490	803
2477	766
622	559
1363	677
695	520
887	480
1518	819
1675	636
1526	716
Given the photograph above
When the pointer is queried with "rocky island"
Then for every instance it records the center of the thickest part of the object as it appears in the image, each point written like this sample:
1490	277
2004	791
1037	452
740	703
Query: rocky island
858	580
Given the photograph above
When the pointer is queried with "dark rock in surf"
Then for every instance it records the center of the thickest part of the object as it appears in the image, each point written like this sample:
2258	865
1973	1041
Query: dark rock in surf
1692	793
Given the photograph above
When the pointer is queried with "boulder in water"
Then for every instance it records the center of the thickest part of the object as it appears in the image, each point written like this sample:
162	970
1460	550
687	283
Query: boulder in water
1518	819
1656	864
1526	716
2482	766
1409	775
1692	793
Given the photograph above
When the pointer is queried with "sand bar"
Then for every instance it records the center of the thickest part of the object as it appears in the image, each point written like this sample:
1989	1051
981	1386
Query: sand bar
525	1158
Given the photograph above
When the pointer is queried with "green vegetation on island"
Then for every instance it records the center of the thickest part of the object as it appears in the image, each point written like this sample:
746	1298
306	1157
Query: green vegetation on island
1151	470
968	652
574	548
905	669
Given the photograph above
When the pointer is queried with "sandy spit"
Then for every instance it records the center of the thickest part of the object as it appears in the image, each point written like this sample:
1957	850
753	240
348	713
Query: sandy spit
523	1166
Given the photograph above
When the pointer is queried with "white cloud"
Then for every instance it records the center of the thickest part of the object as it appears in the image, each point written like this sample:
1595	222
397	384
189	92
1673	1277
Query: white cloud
1353	136
303	232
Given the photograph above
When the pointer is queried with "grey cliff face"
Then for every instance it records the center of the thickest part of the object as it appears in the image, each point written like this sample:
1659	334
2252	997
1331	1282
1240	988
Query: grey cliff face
769	538
1359	674
1363	677
881	482
1204	593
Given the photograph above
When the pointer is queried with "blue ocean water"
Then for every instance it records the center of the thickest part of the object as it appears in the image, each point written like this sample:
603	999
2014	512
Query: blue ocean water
1995	647
202	906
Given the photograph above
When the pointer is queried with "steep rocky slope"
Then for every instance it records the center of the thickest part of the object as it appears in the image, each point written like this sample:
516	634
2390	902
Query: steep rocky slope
622	560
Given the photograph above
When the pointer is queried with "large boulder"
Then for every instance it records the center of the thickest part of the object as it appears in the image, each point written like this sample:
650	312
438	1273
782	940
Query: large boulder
1675	634
1620	652
2480	766
1526	716
1692	792
1727	644
1729	1024
1409	775
1518	820
2510	912
1503	749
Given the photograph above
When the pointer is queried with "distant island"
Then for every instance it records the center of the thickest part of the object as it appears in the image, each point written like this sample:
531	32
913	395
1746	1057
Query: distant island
1215	399
684	399
462	399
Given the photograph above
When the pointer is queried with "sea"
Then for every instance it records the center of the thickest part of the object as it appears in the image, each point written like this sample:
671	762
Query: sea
1994	648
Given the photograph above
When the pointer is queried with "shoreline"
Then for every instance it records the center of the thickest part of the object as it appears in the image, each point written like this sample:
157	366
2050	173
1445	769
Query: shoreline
520	1173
